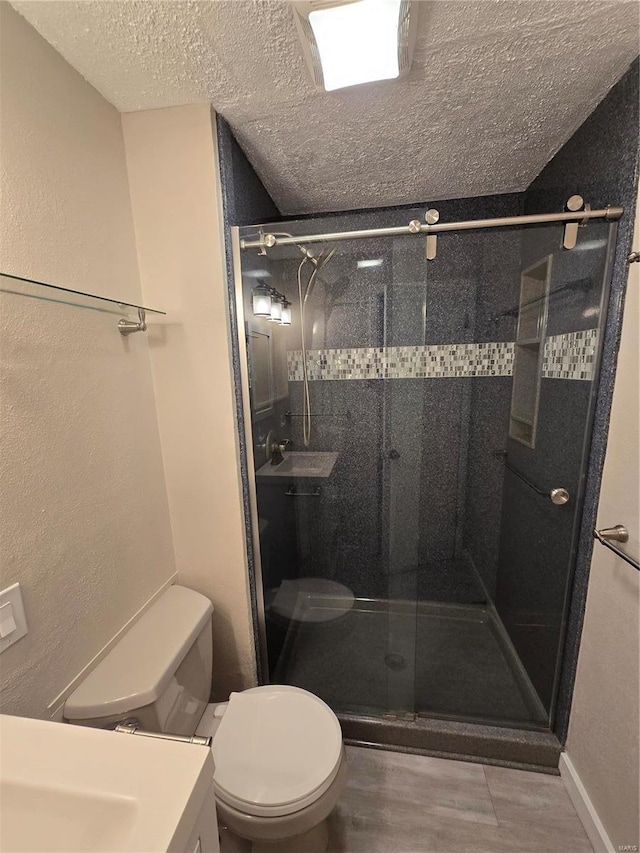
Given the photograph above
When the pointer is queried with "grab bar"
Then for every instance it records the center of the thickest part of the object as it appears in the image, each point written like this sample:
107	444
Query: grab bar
619	533
558	495
293	493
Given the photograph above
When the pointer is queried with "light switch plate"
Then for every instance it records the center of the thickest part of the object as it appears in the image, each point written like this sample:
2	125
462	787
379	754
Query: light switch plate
13	596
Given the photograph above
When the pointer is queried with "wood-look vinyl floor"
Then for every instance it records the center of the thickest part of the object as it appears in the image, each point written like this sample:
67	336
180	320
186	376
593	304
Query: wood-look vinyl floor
401	803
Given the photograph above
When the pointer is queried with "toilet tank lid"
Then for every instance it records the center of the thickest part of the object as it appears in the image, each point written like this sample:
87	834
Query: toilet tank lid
138	668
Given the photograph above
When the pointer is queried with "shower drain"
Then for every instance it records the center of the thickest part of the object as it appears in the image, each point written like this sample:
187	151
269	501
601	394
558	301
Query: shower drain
395	661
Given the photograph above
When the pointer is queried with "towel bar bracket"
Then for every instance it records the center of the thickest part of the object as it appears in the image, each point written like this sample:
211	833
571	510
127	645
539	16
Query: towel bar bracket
619	533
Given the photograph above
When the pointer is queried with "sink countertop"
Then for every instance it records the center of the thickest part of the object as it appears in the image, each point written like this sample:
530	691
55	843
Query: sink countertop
74	788
301	463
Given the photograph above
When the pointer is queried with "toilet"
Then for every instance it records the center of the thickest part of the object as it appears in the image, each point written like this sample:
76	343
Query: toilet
280	764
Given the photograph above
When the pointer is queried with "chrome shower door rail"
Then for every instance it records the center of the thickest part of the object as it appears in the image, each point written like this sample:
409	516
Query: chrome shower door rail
267	240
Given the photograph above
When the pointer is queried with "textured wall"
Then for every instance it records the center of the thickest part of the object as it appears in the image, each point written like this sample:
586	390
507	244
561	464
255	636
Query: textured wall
70	199
175	192
85	523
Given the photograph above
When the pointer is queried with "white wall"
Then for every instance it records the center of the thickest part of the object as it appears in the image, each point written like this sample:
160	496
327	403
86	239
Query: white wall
605	722
84	521
175	192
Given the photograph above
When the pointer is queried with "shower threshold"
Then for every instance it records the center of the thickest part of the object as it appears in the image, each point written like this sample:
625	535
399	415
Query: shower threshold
524	749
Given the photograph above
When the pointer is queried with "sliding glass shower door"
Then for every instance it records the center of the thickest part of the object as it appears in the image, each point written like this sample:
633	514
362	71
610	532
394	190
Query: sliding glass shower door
419	440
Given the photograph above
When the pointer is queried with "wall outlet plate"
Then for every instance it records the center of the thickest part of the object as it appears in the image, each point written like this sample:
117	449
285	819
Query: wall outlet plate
12	616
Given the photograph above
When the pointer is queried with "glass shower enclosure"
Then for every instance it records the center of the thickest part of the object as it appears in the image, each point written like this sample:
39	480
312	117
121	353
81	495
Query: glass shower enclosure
419	434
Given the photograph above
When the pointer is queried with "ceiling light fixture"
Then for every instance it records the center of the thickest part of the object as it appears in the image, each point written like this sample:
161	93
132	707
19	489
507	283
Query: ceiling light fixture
348	42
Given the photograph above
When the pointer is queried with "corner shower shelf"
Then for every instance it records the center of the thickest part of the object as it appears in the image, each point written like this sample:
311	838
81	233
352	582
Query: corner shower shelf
78	299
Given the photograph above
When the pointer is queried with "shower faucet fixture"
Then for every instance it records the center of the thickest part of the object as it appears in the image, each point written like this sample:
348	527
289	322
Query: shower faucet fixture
276	449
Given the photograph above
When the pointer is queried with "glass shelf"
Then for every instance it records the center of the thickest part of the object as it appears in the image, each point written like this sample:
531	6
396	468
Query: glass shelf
18	285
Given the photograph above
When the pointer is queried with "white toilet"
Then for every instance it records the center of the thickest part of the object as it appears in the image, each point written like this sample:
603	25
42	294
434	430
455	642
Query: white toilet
280	762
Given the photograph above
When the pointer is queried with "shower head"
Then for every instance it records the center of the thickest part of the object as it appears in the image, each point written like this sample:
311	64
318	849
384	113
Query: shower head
322	259
318	263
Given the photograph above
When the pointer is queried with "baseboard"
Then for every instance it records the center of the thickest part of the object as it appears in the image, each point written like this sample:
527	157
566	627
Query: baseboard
56	706
586	812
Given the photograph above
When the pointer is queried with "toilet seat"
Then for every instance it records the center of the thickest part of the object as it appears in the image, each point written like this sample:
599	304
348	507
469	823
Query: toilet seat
277	749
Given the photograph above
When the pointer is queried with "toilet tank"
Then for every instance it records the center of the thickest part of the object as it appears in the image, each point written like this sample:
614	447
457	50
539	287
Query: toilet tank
159	672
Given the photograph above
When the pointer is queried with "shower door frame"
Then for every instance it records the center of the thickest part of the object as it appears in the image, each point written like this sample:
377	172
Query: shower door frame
252	526
396	733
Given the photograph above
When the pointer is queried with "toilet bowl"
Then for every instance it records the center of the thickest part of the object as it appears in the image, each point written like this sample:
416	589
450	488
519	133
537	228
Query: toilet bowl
280	763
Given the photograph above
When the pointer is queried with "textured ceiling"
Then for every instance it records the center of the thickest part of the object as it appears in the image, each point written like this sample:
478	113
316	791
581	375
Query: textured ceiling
496	87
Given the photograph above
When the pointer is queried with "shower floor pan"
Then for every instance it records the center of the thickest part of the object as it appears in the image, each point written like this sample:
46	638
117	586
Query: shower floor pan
402	671
400	659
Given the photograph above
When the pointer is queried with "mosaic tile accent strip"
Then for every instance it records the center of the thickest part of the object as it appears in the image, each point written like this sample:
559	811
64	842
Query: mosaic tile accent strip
568	356
571	356
416	362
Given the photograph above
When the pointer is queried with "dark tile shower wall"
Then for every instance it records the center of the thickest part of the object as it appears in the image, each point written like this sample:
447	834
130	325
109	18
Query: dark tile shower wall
244	197
343	529
490	397
600	162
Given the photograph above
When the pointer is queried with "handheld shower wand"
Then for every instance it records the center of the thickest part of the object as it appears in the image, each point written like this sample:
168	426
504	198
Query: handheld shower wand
318	263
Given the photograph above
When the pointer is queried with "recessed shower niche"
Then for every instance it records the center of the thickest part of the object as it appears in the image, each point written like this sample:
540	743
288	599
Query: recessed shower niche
529	351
